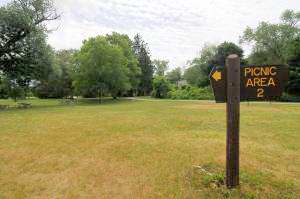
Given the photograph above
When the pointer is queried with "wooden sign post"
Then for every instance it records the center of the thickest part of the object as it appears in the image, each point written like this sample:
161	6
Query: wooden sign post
236	83
233	120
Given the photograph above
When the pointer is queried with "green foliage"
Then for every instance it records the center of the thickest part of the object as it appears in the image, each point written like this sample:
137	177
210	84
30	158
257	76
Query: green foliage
193	76
11	89
144	62
23	51
161	87
200	67
191	93
289	98
50	88
56	81
217	179
273	40
175	75
293	86
278	44
16	91
290	17
64	60
160	66
101	66
224	50
4	88
23	33
125	44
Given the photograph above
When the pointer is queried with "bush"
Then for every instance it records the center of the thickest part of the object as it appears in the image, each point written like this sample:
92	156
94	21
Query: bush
161	87
289	98
4	89
191	93
17	92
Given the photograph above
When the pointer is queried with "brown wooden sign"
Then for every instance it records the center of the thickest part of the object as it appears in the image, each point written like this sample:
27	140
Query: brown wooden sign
264	82
218	83
234	83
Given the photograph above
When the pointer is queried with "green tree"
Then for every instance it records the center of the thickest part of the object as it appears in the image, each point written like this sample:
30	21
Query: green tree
293	86
58	76
224	50
277	44
22	28
101	66
160	66
4	88
144	62
23	39
192	76
161	87
175	75
271	41
126	44
199	68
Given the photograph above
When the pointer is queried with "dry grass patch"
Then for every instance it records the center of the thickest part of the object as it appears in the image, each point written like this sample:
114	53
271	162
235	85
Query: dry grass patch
145	149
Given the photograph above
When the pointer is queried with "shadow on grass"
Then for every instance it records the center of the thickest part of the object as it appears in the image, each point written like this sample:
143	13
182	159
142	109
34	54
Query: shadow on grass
56	103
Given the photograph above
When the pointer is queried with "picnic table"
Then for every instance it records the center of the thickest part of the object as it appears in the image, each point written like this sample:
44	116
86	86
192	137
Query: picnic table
24	105
3	106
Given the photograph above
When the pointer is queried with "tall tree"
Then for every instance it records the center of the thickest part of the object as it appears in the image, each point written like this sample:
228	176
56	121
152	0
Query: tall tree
175	75
22	27
224	50
198	72
57	79
144	62
199	68
293	86
271	41
101	67
160	66
277	44
126	44
23	39
161	87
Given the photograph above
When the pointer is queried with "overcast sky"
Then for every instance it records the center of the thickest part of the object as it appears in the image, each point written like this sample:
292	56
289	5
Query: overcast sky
174	29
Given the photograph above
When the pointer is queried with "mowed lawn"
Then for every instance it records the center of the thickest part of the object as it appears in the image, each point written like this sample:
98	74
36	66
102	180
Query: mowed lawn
146	149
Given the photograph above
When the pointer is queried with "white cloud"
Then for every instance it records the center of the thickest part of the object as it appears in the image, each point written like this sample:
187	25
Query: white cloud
174	30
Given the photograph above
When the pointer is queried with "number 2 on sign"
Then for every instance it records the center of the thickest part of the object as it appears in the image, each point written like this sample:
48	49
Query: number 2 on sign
260	92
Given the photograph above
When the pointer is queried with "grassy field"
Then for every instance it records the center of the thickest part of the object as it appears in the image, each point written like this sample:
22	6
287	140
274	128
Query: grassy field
146	149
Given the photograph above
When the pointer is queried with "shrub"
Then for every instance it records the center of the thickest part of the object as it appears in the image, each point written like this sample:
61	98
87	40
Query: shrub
289	98
161	87
191	93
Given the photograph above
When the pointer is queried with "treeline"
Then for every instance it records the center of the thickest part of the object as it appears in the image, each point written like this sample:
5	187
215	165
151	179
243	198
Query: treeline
114	65
271	44
110	65
193	82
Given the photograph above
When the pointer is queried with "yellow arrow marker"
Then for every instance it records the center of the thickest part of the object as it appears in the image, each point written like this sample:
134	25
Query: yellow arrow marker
217	75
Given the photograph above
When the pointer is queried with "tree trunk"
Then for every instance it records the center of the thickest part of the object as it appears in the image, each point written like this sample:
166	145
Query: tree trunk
99	97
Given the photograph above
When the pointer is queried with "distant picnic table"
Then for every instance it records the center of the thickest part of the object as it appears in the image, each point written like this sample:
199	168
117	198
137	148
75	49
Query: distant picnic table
24	105
67	101
3	106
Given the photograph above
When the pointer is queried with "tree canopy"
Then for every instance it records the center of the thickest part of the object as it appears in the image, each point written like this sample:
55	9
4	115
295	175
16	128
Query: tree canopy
161	66
24	50
175	75
101	67
144	62
197	74
272	41
277	44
